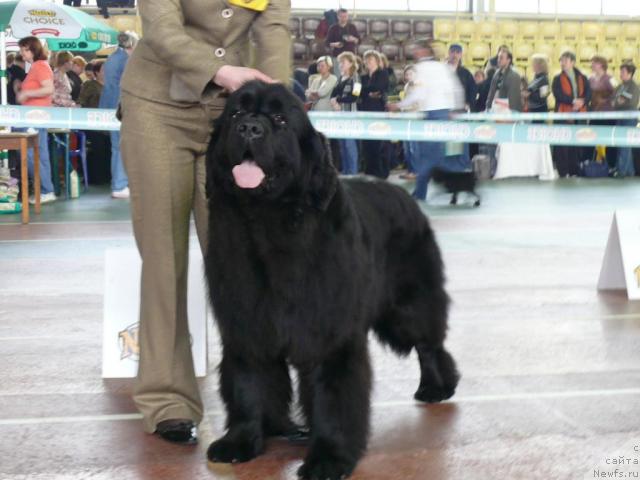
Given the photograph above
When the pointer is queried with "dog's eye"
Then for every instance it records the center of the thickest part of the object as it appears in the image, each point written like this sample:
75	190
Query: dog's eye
279	119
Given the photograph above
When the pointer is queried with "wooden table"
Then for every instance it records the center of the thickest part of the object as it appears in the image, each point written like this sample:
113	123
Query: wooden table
23	141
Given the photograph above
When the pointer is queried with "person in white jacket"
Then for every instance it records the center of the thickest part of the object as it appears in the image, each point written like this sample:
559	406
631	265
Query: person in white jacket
437	92
321	86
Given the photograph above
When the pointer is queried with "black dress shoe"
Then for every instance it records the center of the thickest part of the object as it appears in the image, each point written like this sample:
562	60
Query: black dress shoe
178	431
297	436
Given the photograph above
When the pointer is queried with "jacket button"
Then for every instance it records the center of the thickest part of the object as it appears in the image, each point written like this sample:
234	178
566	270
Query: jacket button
227	13
220	52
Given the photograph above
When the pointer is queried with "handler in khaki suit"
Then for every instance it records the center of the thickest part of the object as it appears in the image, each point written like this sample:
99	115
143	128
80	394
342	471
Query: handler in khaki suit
191	55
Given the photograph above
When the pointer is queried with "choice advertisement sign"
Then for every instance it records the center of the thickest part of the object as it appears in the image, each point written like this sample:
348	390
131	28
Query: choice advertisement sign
34	18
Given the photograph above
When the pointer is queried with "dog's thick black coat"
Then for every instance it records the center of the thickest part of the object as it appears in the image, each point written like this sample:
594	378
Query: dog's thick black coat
456	182
299	270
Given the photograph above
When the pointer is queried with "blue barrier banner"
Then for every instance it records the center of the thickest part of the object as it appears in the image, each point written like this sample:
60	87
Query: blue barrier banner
486	116
49	117
366	126
520	117
477	132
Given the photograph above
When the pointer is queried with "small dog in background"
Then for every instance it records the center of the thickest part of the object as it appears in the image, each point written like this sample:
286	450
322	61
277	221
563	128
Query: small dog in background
456	182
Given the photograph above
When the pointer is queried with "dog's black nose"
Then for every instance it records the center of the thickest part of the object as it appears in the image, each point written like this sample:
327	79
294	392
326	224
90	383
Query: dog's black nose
250	129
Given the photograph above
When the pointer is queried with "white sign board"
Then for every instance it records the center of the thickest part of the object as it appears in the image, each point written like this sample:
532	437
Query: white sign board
120	350
621	264
43	20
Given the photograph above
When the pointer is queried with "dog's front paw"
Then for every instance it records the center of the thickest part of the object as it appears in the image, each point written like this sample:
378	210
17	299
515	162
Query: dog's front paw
433	394
325	469
233	449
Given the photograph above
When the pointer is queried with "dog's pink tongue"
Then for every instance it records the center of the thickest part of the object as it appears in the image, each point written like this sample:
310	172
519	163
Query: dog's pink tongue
248	174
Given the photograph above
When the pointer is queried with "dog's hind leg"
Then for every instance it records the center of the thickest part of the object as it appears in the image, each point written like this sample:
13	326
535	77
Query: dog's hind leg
340	387
454	199
421	324
438	374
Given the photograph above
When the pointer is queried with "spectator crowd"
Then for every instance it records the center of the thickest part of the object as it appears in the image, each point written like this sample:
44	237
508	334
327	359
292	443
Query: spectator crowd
36	77
344	81
434	83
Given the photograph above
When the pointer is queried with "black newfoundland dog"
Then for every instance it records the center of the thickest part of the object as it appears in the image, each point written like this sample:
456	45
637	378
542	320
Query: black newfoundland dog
456	182
301	265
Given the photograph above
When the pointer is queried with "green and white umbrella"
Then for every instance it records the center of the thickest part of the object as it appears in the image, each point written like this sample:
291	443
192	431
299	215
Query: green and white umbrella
63	27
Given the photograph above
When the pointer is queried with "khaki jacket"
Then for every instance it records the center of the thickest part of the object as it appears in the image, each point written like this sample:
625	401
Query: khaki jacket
185	42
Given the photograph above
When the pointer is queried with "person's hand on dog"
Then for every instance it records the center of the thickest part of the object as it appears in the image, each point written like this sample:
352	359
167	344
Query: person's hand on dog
231	78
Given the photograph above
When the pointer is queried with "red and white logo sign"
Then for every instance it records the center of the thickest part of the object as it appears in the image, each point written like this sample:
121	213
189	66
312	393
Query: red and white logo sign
44	20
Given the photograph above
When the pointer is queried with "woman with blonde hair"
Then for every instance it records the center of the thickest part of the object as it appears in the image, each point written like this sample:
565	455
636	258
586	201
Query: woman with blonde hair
410	149
375	84
320	86
538	90
61	83
344	98
76	76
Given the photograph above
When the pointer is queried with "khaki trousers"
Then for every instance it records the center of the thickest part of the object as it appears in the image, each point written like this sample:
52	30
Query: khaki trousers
163	149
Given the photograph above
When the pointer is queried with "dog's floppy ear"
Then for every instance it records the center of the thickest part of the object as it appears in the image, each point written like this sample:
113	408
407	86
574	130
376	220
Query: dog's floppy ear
322	175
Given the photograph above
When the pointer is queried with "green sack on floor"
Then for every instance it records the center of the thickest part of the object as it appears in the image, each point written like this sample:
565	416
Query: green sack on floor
10	207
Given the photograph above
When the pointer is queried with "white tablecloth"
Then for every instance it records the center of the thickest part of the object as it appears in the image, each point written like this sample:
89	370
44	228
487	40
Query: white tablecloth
525	160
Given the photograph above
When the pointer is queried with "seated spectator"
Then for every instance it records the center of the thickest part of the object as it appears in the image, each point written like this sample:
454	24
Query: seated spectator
92	89
344	98
572	93
538	91
61	83
626	99
75	76
321	86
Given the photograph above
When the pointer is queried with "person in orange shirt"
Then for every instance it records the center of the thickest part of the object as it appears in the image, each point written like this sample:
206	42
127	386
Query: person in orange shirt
37	91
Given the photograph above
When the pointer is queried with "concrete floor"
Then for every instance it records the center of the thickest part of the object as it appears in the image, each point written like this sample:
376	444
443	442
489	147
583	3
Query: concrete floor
551	368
